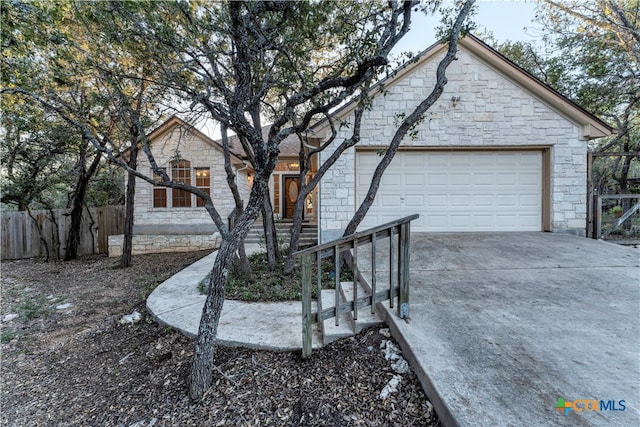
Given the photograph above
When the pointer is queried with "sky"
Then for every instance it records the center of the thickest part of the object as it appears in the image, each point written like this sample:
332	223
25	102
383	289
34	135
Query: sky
506	19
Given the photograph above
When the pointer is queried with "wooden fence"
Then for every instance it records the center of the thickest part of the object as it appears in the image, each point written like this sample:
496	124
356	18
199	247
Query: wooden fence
615	217
29	234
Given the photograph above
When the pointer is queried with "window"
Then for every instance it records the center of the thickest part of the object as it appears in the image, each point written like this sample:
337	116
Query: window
159	193
181	172
276	193
203	182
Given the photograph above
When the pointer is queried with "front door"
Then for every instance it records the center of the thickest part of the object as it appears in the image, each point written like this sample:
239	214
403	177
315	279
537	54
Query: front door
291	188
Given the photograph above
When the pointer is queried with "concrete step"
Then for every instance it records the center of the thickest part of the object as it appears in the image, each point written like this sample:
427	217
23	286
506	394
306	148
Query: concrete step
331	332
365	318
348	325
308	234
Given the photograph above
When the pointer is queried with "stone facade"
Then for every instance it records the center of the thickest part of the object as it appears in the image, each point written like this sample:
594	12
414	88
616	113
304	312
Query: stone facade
153	244
201	153
480	107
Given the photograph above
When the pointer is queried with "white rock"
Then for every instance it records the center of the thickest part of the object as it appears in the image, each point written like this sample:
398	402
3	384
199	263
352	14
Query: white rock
385	332
9	317
63	306
391	351
391	387
132	318
400	366
142	423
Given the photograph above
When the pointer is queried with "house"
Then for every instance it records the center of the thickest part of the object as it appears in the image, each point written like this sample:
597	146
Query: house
499	151
170	220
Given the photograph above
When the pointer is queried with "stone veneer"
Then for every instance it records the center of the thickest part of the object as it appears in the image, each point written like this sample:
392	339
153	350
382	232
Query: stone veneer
200	153
492	110
152	244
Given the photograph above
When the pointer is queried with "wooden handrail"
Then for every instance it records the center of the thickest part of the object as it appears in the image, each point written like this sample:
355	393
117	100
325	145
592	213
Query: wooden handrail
398	275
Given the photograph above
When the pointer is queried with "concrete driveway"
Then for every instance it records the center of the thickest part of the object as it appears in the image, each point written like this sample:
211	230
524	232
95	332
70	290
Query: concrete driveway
503	325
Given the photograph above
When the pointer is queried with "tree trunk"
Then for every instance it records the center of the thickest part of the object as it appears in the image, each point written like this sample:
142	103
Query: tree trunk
296	230
127	245
270	233
241	262
73	238
79	193
411	120
203	358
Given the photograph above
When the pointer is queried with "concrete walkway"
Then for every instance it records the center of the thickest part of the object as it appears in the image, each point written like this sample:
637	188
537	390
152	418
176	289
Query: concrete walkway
502	325
178	303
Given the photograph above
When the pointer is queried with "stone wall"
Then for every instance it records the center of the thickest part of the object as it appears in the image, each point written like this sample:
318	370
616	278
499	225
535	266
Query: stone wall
480	107
153	244
200	153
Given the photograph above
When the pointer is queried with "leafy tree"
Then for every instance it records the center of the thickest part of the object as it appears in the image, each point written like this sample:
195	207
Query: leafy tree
240	62
37	57
598	43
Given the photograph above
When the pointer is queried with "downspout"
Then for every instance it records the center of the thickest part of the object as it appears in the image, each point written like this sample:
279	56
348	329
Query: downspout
240	170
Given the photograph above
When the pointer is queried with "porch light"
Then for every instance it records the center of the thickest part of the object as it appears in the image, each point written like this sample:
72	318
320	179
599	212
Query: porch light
294	165
250	179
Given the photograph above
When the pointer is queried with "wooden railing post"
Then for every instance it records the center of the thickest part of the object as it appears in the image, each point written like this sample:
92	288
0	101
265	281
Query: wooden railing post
403	268
399	251
597	217
307	332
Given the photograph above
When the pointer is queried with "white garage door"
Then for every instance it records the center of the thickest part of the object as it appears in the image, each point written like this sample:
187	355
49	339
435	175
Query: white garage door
456	191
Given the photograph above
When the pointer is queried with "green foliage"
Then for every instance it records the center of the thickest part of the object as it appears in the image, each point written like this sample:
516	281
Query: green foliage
7	336
31	308
593	57
616	210
274	285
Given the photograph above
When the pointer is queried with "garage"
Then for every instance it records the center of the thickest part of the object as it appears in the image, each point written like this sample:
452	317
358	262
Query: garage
463	190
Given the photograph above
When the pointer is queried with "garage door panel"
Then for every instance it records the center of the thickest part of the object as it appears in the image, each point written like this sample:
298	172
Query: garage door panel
529	220
461	160
437	179
529	179
436	200
390	201
506	201
414	200
460	200
389	179
458	191
507	159
531	200
437	221
483	221
483	159
414	180
436	159
460	179
483	178
482	200
413	161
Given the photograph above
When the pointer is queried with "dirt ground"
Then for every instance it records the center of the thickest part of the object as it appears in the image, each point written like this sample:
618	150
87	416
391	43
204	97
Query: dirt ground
67	360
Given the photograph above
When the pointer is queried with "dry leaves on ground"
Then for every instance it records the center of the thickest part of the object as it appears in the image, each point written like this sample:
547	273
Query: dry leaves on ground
78	365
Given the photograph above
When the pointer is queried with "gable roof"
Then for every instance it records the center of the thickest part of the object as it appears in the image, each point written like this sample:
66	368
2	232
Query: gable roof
289	147
174	122
591	126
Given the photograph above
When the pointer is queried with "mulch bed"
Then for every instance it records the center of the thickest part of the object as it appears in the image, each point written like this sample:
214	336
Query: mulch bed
78	365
